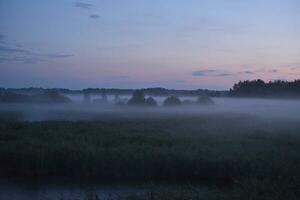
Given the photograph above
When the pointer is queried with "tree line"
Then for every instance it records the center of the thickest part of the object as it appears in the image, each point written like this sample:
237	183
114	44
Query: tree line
115	91
259	88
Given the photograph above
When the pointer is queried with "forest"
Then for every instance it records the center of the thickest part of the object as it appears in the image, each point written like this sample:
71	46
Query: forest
259	88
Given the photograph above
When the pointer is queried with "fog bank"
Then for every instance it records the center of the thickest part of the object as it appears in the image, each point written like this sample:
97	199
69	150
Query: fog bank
262	108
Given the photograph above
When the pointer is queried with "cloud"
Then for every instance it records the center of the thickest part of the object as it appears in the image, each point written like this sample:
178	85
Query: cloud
294	66
267	71
262	71
2	39
94	16
203	72
273	71
249	72
4	49
212	72
83	5
11	54
25	60
224	74
52	56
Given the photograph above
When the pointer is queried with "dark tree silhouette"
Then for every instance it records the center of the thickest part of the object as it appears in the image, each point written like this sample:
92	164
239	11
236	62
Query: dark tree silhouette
172	101
258	88
138	98
151	102
87	97
48	96
205	100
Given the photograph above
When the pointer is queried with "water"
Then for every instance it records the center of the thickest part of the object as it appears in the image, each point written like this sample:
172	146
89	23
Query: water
58	189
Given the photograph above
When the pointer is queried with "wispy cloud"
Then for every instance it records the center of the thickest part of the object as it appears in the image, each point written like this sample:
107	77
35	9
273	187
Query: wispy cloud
94	16
248	72
259	71
214	72
26	56
203	72
86	6
263	71
2	39
294	66
273	71
83	5
211	72
225	74
12	50
21	59
53	56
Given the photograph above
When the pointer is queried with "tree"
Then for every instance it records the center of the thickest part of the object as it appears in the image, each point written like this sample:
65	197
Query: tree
87	97
258	88
138	98
151	102
172	101
205	100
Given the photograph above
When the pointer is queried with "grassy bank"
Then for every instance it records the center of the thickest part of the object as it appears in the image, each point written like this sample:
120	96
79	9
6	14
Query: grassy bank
253	155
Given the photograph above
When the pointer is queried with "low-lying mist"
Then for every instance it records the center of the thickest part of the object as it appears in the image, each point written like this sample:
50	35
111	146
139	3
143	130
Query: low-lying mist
78	110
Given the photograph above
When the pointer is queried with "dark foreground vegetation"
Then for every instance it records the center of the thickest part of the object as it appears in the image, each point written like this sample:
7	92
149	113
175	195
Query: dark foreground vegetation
249	158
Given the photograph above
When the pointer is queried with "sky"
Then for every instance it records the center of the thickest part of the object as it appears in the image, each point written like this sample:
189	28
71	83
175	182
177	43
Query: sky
176	44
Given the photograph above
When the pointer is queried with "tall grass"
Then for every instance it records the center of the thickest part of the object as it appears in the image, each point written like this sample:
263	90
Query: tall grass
259	158
223	148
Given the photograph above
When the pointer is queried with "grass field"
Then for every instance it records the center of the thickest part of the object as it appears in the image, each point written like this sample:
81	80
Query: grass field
245	157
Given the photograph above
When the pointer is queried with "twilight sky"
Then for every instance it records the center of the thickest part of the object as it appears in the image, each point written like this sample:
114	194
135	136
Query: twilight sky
182	44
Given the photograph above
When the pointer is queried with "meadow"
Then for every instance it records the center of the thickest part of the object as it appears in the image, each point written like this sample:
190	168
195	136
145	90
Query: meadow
239	156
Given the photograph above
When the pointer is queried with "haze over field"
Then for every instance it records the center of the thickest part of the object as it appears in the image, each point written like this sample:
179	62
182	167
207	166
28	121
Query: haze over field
264	109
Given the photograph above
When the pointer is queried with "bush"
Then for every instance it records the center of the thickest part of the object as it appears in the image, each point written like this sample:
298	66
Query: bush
172	101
